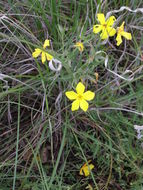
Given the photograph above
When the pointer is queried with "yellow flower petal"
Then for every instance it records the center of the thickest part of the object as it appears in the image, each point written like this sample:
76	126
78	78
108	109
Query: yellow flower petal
36	53
111	31
127	35
118	39
121	28
87	172
71	95
110	21
46	43
43	57
104	35
121	32
49	57
84	105
88	95
101	18
81	172
80	88
97	28
86	169
75	105
122	25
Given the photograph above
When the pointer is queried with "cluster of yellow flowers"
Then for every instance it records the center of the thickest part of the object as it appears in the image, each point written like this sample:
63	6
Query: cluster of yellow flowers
80	97
106	26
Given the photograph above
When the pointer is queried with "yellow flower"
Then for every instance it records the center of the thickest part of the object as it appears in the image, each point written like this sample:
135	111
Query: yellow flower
105	26
120	33
80	98
80	46
86	169
44	55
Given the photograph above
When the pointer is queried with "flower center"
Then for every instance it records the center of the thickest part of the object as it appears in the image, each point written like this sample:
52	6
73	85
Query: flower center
120	30
105	25
80	96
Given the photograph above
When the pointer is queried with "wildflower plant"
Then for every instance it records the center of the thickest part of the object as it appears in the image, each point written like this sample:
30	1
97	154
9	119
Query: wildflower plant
80	97
120	33
36	93
86	169
44	55
105	26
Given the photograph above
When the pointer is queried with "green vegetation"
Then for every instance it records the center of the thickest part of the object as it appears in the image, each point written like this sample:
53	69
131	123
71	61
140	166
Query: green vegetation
43	144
